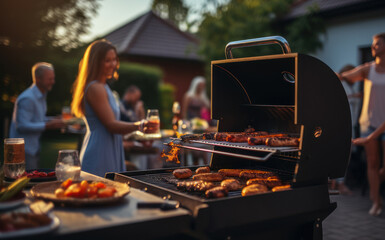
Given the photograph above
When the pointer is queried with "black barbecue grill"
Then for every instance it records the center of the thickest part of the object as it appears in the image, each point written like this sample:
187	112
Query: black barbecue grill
288	93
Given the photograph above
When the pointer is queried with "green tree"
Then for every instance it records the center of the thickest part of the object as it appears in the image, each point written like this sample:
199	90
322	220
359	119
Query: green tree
174	10
245	19
57	23
39	30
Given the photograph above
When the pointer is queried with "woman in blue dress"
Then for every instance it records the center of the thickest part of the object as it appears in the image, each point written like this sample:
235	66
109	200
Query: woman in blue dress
92	99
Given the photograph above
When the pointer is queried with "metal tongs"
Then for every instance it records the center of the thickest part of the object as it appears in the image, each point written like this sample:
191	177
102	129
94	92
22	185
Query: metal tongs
164	206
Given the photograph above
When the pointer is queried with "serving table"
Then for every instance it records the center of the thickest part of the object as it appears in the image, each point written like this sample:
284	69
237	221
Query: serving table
122	220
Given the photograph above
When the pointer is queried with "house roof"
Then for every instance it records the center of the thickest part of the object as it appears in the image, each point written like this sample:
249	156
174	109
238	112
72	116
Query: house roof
150	35
331	8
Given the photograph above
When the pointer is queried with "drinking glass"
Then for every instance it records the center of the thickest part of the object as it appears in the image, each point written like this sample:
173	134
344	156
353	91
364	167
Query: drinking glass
153	125
184	127
68	165
66	113
14	157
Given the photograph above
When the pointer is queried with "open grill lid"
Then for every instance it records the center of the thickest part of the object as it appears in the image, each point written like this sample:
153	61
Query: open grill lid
292	93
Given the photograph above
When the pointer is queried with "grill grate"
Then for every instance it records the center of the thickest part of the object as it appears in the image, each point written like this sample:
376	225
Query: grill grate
168	181
246	146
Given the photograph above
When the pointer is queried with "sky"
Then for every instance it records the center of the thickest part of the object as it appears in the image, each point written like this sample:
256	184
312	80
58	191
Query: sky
115	13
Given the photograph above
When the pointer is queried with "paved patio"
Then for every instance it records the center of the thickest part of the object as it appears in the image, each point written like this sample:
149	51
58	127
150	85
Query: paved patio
351	220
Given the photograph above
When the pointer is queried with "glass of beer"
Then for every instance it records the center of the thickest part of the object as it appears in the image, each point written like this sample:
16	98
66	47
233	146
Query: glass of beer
14	157
66	113
153	125
68	165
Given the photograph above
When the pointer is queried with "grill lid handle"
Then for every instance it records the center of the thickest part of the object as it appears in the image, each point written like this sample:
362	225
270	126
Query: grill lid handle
257	41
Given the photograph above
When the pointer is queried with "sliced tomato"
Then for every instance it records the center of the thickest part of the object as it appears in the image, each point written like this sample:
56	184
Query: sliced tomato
84	185
43	174
106	192
75	191
100	185
51	174
67	183
92	192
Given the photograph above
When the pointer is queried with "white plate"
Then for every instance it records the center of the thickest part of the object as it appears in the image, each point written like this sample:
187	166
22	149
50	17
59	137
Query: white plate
33	231
12	204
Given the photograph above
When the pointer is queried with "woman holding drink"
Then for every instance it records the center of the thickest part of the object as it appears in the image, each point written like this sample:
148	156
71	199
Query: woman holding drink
102	149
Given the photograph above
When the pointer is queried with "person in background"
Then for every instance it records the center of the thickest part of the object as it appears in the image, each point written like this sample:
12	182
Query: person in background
131	110
131	107
196	105
353	96
372	116
29	114
102	149
195	100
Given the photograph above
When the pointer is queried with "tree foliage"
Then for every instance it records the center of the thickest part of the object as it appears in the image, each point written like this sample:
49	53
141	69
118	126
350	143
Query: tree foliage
58	23
39	30
246	19
174	10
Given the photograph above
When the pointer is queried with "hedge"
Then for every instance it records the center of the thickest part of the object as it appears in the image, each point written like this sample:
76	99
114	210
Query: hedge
147	79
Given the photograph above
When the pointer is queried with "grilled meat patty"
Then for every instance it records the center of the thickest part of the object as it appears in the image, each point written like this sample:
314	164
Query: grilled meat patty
195	186
216	192
211	177
231	184
182	173
254	189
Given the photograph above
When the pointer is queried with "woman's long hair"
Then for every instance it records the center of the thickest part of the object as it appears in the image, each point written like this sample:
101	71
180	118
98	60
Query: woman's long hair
192	91
89	70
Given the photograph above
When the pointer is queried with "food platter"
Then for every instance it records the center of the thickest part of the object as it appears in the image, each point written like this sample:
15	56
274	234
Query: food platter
37	179
55	223
46	191
139	136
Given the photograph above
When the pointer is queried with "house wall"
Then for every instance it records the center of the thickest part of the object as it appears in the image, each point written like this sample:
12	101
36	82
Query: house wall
346	35
175	71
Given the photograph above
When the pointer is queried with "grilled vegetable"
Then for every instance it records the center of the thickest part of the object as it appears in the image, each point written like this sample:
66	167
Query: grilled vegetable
13	189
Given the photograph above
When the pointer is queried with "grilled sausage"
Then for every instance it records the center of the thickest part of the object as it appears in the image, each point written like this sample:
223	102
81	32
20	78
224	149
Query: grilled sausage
216	192
230	172
210	177
195	186
282	142
221	136
189	137
256	140
209	136
231	184
281	188
254	189
261	140
243	137
269	182
255	174
202	170
182	173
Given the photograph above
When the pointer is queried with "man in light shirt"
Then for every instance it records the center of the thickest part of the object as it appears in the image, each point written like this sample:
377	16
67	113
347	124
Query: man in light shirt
29	114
